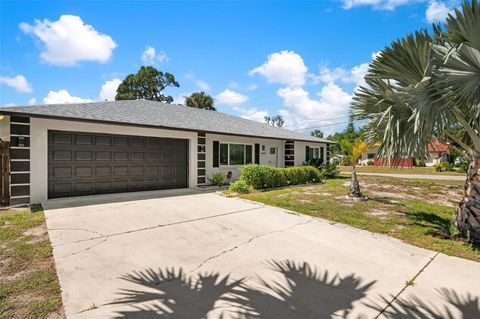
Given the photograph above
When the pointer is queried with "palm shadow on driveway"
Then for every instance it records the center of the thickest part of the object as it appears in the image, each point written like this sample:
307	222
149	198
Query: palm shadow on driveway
304	292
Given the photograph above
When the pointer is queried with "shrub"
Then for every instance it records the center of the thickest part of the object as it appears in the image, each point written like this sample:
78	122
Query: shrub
463	167
443	167
240	186
370	163
264	176
218	178
327	170
420	163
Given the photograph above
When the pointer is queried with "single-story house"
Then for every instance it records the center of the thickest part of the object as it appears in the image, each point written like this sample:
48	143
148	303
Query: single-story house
68	150
437	153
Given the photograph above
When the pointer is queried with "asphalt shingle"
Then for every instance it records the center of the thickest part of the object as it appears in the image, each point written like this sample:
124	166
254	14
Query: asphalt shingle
151	113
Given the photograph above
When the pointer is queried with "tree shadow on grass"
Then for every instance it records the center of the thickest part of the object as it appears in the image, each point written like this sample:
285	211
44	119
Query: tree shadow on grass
466	307
305	292
439	226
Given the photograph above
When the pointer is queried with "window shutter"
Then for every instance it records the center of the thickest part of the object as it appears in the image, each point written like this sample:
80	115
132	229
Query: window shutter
322	150
307	154
216	155
257	153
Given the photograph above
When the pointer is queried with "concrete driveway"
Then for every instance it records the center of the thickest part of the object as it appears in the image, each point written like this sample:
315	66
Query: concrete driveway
190	254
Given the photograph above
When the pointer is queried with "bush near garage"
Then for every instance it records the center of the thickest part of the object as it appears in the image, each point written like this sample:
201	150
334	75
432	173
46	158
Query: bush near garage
264	176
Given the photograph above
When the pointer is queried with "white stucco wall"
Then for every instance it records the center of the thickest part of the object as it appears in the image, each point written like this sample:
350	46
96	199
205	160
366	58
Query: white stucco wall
300	148
5	128
279	144
39	150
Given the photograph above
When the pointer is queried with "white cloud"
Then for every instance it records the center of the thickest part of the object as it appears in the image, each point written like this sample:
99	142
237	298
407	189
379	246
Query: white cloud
437	12
62	97
252	87
285	67
32	101
251	114
332	103
355	75
231	98
9	105
109	90
151	57
69	40
19	83
204	86
180	98
388	5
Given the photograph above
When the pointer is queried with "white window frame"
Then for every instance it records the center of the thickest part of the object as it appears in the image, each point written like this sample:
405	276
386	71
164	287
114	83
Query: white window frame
313	148
228	153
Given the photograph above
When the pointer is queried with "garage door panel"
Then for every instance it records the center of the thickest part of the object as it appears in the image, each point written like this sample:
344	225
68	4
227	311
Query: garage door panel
81	139
90	163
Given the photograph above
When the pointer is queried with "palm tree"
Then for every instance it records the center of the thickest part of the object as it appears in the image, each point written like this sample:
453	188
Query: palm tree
427	87
200	100
353	151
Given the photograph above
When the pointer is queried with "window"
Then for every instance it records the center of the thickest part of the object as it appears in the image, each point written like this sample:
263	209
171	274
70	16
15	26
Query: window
314	152
223	154
235	154
370	155
272	150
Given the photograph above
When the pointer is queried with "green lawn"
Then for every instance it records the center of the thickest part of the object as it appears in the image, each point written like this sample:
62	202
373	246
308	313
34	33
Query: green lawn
29	285
416	211
398	170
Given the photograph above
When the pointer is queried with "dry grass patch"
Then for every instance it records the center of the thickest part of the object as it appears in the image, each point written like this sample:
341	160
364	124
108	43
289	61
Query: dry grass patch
29	285
418	212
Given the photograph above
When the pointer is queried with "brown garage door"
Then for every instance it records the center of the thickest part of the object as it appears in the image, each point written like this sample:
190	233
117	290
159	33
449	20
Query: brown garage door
92	163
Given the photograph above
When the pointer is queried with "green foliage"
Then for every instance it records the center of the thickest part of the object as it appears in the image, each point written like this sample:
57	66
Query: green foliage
420	163
424	87
218	178
463	167
443	167
264	176
317	133
370	163
200	100
276	120
241	187
353	150
326	170
148	84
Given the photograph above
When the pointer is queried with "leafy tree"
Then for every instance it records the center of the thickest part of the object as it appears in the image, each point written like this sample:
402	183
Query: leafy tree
200	100
424	87
148	84
276	120
353	151
317	133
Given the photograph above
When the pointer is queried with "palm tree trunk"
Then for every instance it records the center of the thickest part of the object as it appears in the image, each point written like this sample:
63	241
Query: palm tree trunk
467	214
354	185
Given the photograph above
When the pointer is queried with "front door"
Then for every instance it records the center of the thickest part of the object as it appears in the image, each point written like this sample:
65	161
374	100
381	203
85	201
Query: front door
272	156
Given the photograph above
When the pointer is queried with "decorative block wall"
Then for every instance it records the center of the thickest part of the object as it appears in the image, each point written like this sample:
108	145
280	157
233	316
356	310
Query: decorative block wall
19	160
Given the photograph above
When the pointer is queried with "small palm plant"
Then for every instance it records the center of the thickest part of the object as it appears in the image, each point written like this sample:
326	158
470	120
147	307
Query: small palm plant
426	87
353	152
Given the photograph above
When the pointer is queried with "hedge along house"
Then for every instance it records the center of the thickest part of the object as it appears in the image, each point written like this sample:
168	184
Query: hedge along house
109	147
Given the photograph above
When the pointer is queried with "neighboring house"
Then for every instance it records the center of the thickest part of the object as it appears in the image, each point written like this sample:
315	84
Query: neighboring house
108	147
437	153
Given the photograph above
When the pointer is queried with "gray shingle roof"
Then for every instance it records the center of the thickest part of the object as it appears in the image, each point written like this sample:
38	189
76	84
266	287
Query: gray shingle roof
150	113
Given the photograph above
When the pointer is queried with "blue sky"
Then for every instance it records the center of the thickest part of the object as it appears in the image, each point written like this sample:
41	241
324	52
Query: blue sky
299	59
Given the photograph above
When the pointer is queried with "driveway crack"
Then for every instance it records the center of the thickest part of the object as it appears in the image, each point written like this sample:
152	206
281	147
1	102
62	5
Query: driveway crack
226	251
389	304
156	226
